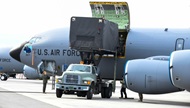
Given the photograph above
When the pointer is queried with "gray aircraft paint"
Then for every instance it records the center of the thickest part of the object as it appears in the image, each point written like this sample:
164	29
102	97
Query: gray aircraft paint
9	65
140	43
31	73
179	69
148	42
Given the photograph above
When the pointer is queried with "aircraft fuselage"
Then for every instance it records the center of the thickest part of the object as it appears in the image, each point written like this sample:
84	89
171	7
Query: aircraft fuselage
140	43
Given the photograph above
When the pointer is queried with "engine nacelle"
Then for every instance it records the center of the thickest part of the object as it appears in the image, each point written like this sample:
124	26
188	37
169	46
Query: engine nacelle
31	73
180	69
149	76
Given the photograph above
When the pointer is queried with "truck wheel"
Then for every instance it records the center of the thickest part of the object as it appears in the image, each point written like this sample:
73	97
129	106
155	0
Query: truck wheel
108	92
103	95
90	93
59	93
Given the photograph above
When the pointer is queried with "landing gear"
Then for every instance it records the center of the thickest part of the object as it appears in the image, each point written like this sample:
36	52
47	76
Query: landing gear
3	77
12	75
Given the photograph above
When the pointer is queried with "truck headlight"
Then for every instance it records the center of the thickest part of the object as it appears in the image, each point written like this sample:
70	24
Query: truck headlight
87	82
58	80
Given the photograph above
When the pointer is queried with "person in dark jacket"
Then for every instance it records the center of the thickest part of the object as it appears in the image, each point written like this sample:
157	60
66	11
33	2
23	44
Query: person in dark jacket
45	81
123	89
140	97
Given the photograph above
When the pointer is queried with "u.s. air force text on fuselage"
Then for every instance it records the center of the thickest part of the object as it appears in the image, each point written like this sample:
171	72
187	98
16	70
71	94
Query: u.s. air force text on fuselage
57	52
5	60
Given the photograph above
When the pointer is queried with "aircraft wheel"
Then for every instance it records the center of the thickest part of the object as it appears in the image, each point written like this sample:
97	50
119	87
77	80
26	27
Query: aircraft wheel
59	93
3	77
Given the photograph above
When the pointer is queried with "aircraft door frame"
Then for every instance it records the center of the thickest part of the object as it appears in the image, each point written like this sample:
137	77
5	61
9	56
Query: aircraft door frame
179	45
47	63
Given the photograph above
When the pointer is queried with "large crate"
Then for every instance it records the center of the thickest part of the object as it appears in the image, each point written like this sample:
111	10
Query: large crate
88	34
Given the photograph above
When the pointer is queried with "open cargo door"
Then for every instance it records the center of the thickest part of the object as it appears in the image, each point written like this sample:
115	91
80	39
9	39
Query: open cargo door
117	12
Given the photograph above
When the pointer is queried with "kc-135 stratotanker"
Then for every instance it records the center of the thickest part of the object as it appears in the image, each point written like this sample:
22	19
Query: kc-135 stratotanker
152	60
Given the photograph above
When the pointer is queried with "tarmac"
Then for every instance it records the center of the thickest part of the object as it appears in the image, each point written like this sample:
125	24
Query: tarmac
23	93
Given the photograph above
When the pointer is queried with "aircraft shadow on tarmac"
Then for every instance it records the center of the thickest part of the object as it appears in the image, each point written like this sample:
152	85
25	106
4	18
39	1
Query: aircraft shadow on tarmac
158	102
163	102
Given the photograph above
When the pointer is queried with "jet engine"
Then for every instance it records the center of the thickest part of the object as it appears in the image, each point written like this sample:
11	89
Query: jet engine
180	69
149	76
31	73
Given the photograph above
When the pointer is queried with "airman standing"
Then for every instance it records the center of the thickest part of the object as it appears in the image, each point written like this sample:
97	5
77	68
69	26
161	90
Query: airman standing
45	80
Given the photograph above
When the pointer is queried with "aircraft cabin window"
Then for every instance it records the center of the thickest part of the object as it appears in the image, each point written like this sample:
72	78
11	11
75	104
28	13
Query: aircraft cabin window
179	44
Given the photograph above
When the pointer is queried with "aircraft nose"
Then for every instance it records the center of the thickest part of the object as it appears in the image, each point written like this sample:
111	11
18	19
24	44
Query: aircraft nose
15	52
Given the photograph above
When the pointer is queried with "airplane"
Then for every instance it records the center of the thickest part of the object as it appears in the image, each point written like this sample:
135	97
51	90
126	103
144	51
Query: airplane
9	67
36	51
146	57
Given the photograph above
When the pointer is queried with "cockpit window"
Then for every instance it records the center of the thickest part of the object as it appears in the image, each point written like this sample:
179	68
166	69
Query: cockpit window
34	40
37	39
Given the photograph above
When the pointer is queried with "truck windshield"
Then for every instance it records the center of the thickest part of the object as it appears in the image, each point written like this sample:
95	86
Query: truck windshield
81	68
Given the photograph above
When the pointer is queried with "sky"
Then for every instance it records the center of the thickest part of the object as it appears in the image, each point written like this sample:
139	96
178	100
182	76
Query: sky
22	19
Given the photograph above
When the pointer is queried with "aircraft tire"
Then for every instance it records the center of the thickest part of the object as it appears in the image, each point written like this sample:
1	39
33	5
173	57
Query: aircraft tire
59	93
4	77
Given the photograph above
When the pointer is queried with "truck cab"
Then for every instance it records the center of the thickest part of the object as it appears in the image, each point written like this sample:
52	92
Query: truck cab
78	78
